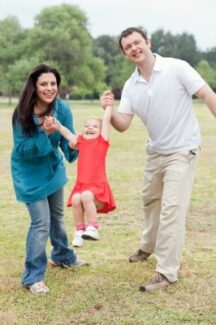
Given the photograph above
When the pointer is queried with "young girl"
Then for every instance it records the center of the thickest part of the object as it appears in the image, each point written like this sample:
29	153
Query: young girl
91	193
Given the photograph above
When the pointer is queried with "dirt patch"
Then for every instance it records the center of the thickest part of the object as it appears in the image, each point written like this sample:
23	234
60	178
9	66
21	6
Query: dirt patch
8	317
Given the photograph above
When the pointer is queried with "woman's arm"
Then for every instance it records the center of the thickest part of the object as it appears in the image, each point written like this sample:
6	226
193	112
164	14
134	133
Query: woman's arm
28	147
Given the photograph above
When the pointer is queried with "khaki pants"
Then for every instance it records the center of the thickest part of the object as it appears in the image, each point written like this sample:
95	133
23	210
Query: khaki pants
168	181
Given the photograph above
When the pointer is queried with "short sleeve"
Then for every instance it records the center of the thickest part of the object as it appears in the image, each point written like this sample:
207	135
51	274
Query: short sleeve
189	77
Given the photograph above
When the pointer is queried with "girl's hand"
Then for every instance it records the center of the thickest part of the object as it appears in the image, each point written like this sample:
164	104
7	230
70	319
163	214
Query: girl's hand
50	125
107	99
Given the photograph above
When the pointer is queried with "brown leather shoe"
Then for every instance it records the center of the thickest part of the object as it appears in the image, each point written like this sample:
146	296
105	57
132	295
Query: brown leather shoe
157	281
139	256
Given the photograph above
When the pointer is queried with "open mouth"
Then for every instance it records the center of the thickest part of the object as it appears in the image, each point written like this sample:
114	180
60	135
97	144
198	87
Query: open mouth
136	55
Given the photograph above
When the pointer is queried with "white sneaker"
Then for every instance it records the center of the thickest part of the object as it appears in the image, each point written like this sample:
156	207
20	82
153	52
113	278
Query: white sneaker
78	240
38	288
91	233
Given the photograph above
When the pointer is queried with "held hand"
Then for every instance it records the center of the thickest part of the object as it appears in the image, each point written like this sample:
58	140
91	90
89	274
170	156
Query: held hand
50	125
107	99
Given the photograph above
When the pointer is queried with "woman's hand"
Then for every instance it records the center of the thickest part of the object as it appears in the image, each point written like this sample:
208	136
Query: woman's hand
50	125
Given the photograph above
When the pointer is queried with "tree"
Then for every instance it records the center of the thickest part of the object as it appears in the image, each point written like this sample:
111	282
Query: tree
210	56
11	35
117	68
60	35
60	38
181	46
16	75
207	72
106	48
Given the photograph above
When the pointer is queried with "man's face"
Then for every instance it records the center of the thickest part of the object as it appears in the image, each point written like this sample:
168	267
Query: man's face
135	47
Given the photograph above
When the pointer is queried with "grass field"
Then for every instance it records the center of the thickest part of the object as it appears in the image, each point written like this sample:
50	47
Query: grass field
106	292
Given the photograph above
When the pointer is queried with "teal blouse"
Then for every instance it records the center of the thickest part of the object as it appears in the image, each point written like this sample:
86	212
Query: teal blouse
37	164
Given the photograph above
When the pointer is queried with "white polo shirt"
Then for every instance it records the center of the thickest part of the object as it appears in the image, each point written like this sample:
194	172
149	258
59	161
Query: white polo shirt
164	104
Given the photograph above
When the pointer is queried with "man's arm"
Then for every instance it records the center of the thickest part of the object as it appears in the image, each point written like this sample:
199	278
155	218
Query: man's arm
121	121
207	95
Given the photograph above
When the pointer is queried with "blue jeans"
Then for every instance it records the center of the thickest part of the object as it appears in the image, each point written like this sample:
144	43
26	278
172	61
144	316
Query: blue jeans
46	220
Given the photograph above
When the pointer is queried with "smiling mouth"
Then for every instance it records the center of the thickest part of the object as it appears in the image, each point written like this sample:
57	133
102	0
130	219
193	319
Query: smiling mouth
49	95
137	54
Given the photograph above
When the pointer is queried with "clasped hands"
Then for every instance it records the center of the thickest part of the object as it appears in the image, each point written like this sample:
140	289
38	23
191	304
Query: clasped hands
107	99
50	124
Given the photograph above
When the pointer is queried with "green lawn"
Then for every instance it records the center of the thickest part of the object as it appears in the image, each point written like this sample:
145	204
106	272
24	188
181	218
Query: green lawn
106	292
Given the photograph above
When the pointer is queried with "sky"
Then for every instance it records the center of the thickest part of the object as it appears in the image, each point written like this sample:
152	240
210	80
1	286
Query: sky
110	17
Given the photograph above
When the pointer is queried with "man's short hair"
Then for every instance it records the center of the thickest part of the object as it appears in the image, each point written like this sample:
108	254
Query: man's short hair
129	31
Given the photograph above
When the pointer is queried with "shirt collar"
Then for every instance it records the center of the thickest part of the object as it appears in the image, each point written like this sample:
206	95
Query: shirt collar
157	67
158	62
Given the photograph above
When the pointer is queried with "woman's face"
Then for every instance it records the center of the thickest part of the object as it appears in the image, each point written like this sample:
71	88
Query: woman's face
46	88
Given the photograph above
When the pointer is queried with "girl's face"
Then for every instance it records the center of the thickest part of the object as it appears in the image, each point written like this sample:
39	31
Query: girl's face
46	89
92	129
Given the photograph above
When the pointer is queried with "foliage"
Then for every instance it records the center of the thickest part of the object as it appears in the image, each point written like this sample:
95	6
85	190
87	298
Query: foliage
10	37
60	37
210	56
117	68
16	73
182	46
64	28
207	72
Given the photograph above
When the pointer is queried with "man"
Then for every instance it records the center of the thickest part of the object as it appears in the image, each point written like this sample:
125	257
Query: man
160	92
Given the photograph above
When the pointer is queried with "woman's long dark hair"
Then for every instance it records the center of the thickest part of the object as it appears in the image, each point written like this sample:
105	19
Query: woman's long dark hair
24	111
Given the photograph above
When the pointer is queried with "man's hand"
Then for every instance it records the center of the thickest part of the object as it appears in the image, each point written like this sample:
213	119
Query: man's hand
107	99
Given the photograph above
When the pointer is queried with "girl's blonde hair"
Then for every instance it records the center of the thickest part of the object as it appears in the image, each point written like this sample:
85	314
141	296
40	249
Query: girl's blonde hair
94	118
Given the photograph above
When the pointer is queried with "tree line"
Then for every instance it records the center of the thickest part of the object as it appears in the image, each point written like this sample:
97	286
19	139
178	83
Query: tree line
60	37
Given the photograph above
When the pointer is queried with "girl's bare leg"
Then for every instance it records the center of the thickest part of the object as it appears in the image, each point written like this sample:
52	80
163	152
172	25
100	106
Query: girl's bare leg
88	202
78	211
90	208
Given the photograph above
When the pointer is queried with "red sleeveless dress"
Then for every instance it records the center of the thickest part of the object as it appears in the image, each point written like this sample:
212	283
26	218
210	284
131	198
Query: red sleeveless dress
91	172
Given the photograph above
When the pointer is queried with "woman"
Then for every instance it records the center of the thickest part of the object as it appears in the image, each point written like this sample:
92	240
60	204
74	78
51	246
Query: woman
39	175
